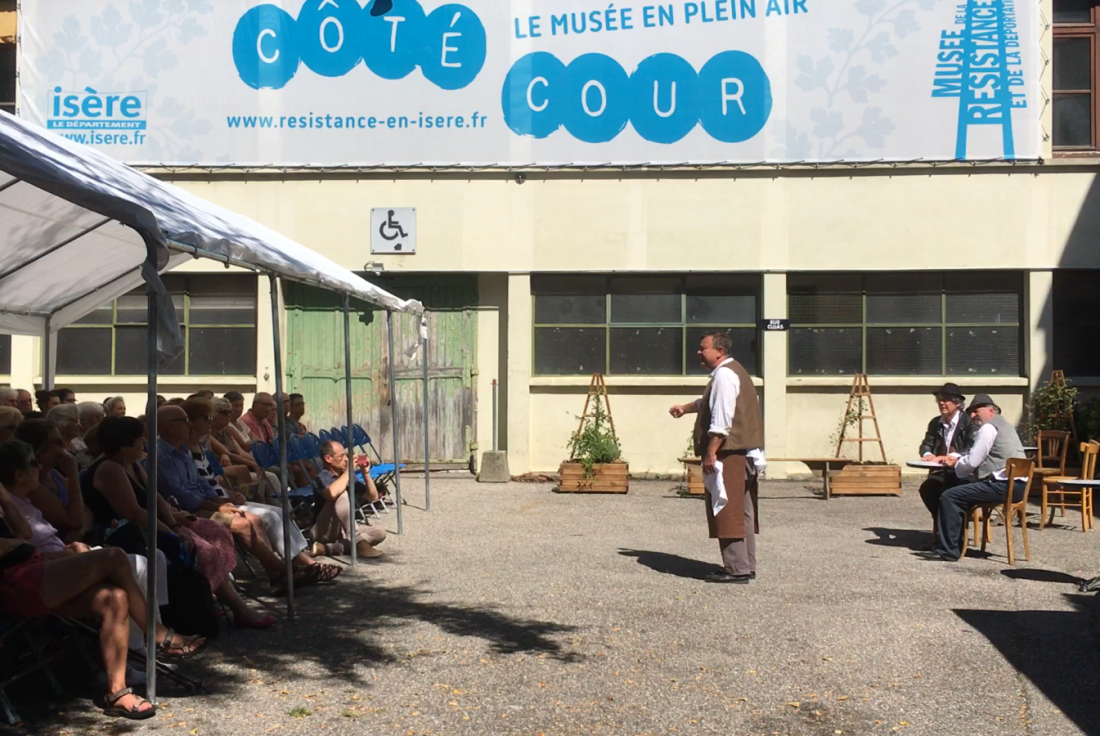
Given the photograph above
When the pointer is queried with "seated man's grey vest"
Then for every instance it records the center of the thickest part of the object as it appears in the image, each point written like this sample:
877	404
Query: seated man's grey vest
1006	445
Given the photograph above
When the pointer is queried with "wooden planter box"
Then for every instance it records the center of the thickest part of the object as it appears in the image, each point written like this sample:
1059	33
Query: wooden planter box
867	480
694	468
606	478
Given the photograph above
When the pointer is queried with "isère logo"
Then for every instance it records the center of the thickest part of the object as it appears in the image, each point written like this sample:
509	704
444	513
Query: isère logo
90	109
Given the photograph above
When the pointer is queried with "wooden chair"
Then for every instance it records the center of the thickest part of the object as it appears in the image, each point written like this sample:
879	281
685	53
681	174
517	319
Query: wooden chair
1015	468
1053	444
1056	496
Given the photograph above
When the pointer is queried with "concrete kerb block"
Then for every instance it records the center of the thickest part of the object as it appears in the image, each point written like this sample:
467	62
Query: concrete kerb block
494	467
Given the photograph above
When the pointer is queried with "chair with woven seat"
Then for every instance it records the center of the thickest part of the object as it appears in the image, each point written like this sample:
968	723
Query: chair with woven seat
1051	458
1056	496
1009	509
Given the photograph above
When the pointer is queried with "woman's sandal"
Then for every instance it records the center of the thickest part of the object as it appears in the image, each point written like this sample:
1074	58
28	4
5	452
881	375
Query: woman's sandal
327	573
134	712
188	647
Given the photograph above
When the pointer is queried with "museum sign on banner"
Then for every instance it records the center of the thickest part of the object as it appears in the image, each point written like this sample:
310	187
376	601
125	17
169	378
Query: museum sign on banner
538	82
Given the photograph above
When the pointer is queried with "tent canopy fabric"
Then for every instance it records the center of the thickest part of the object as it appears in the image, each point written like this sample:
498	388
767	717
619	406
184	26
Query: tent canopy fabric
76	227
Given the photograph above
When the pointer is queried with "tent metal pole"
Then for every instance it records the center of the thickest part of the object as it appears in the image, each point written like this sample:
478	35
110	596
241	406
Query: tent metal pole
427	415
393	424
47	359
350	438
151	319
276	333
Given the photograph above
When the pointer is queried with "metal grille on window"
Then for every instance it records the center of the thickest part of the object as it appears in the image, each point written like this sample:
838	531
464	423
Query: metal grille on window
639	325
5	354
217	314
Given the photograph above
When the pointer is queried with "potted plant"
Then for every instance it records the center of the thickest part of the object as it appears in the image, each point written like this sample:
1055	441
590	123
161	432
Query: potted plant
595	463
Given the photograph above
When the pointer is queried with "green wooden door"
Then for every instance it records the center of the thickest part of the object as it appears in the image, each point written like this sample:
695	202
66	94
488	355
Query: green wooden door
315	364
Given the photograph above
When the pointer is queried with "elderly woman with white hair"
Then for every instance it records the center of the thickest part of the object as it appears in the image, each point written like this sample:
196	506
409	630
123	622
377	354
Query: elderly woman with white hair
115	406
8	396
66	417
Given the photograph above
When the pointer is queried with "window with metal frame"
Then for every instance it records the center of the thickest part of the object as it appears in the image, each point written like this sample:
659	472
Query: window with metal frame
5	355
905	324
217	314
1076	24
640	325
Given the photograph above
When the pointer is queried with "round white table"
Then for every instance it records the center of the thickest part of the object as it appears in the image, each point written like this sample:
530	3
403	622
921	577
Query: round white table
928	464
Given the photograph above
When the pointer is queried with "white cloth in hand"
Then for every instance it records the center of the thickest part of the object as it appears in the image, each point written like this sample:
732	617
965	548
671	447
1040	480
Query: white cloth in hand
716	488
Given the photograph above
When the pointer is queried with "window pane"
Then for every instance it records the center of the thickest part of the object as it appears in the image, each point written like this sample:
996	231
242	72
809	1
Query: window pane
1073	120
570	310
645	300
101	315
828	299
223	309
744	348
985	298
904	351
825	351
983	351
84	351
222	300
5	354
131	358
647	351
566	351
904	298
133	308
1072	63
222	351
1072	11
1077	322
718	310
568	285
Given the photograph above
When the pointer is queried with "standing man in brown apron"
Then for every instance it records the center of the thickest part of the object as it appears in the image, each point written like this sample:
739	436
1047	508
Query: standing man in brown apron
728	427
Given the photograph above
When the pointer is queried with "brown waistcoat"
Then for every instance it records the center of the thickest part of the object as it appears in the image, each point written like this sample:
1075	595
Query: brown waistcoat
747	432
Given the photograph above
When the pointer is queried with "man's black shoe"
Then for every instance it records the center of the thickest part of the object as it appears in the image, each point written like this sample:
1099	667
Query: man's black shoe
933	556
725	577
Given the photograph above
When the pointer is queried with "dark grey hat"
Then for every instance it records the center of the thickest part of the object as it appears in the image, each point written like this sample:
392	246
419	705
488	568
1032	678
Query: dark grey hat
951	391
981	400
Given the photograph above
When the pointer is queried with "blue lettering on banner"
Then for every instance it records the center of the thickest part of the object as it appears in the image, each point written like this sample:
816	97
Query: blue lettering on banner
331	37
974	64
93	110
594	98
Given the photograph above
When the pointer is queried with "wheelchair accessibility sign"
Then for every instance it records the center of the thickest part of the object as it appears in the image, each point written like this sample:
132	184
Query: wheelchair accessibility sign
393	230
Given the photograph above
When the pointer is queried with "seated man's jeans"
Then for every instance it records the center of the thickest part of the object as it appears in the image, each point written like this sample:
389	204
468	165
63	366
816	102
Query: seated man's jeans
955	506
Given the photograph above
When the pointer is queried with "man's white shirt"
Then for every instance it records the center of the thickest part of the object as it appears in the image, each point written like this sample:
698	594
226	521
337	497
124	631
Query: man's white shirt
725	388
972	460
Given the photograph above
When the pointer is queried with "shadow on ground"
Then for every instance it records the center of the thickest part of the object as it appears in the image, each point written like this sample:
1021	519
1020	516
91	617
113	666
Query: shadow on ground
909	538
1055	650
670	564
337	628
1042	576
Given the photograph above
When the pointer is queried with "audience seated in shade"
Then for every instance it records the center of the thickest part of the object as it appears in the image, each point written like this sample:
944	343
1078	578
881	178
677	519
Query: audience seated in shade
9	420
330	532
115	489
96	584
235	456
65	395
257	419
236	403
8	397
91	414
178	476
58	495
294	423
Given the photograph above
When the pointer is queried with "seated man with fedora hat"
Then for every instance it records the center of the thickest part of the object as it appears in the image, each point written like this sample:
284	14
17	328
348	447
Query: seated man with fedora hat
950	431
995	442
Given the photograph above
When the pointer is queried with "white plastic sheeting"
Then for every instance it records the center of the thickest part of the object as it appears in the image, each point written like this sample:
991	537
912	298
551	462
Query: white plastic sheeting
75	225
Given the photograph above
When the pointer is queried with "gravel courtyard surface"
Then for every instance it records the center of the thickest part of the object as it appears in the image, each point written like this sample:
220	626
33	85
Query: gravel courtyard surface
510	609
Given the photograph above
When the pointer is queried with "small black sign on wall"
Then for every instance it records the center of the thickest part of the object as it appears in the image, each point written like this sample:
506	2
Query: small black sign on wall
775	325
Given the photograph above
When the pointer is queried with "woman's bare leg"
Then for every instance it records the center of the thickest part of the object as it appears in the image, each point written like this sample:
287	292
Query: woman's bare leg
109	604
228	595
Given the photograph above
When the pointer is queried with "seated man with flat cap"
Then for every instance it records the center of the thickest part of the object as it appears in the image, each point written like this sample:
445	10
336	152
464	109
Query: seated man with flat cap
950	431
995	443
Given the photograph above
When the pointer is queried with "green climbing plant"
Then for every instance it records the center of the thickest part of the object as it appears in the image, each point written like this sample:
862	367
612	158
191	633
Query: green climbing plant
595	443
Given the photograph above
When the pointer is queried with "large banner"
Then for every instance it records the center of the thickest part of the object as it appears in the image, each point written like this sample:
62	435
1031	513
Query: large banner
545	82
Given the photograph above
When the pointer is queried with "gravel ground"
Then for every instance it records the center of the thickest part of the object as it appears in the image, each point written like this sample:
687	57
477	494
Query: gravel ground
510	609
